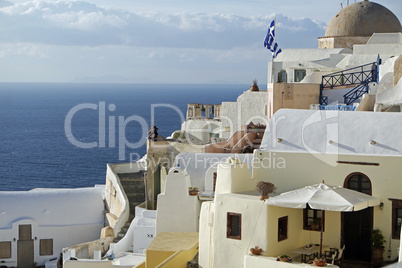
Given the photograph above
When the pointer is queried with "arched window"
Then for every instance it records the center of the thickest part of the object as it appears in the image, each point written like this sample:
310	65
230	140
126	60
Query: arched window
358	182
282	76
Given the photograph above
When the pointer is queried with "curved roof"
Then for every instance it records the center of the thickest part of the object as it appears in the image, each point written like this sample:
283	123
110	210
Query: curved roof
363	19
52	207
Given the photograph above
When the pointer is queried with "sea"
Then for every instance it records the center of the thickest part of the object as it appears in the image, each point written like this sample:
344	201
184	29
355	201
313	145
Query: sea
62	135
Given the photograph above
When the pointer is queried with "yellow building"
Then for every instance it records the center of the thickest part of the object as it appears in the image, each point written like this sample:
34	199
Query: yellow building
356	150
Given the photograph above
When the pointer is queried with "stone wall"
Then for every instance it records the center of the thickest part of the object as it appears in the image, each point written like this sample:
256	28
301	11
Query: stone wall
341	41
293	96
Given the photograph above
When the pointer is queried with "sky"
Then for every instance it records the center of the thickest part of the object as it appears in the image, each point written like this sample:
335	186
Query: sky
154	41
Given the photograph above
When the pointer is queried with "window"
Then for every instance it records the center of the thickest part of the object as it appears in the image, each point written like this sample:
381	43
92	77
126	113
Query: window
396	218
282	228
282	77
312	219
5	250
299	75
234	226
46	247
359	182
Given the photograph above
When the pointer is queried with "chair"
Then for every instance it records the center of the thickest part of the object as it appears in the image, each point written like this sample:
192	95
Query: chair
310	258
339	260
330	256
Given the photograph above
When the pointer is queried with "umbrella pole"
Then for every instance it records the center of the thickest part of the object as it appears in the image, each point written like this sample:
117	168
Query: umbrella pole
322	230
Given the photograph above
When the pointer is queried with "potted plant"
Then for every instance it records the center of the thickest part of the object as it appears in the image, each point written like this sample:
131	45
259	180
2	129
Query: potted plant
254	87
265	188
316	225
193	190
284	257
377	247
319	261
256	250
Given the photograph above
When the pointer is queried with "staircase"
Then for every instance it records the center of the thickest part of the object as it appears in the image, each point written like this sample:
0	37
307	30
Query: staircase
359	77
134	188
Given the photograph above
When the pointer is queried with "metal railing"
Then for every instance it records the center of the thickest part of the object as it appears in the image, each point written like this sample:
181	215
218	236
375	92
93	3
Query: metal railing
352	76
337	107
355	93
359	76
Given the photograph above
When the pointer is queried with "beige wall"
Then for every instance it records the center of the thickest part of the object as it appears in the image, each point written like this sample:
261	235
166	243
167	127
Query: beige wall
229	252
295	227
303	169
234	177
165	245
116	200
341	41
87	264
293	96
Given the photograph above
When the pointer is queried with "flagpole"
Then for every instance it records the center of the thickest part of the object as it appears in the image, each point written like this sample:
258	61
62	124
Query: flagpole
273	68
272	74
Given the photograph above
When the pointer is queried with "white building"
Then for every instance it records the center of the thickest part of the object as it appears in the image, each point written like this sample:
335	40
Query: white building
304	147
177	210
250	106
36	225
354	39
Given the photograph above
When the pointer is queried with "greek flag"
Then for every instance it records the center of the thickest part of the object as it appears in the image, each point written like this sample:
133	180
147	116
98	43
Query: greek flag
270	42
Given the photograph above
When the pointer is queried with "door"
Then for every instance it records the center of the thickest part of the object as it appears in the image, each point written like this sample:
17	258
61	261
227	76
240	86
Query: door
157	184
359	224
25	247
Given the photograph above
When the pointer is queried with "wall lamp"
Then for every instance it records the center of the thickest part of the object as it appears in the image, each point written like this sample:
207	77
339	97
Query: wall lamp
279	140
330	141
373	142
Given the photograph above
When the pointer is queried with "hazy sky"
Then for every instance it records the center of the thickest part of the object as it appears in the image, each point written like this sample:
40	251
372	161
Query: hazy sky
154	41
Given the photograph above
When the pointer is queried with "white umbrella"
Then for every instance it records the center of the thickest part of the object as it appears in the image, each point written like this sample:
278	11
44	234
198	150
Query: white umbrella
324	197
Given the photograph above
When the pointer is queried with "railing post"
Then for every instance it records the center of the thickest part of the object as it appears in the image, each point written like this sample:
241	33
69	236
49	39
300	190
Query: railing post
320	97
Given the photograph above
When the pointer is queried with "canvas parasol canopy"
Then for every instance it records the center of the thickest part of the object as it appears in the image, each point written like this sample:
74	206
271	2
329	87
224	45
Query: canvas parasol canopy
324	197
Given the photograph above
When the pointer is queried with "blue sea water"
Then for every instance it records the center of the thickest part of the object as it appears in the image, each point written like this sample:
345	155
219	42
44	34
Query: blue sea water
36	153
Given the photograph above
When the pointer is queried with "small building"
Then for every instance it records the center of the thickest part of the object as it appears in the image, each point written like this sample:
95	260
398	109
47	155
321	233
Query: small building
227	119
36	225
178	210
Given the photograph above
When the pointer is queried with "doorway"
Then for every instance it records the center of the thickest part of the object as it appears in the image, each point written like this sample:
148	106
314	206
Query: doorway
357	226
157	185
25	246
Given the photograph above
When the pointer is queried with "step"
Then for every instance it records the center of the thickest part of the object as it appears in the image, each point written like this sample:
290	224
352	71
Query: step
136	197
130	189
131	176
134	204
132	182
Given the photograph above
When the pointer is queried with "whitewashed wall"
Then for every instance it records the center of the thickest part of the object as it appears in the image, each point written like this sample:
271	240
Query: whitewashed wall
177	210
